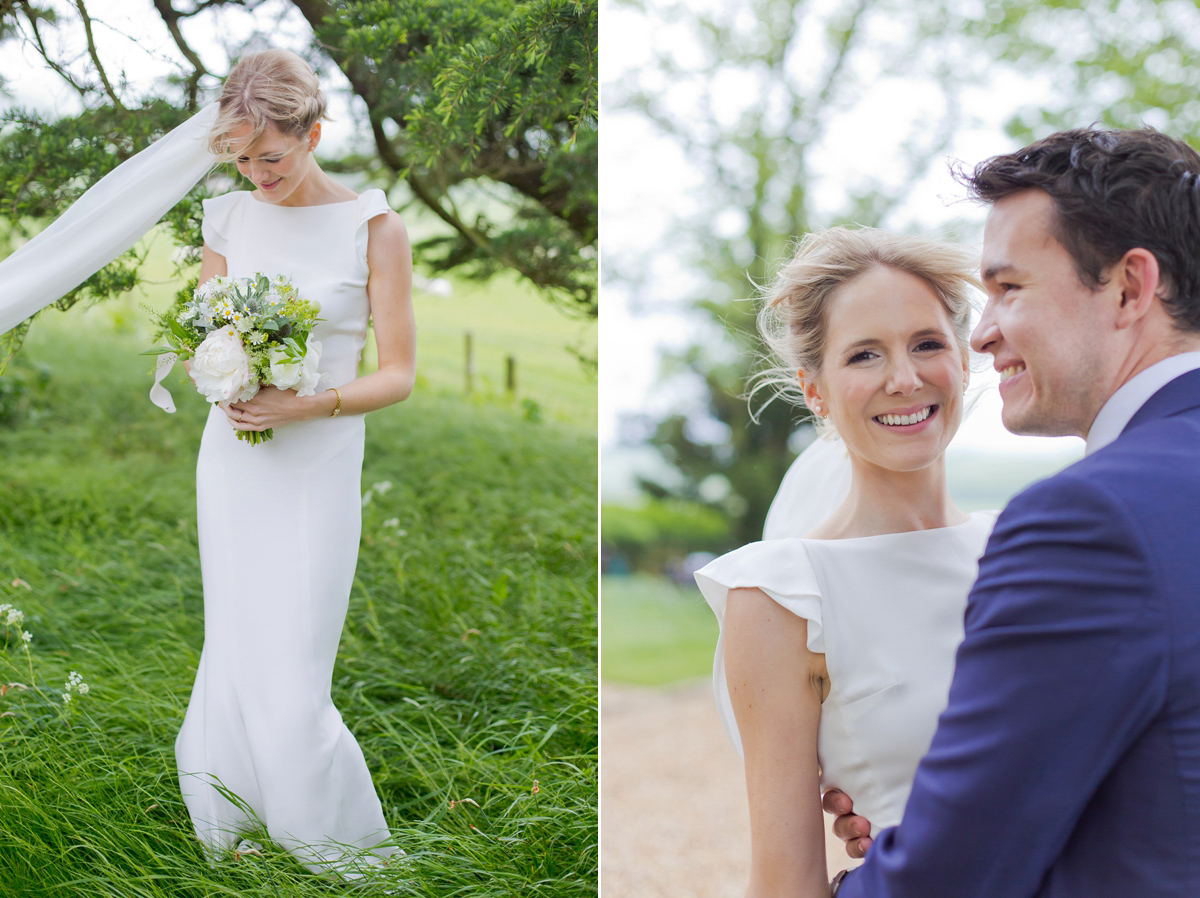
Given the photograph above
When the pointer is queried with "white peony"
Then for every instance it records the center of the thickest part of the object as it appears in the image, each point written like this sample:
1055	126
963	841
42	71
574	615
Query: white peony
302	375
221	368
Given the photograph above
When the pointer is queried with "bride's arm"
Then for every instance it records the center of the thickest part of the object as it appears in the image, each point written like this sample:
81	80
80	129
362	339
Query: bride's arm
776	685
389	291
212	264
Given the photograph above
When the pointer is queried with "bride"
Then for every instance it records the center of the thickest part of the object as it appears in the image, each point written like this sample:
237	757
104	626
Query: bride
262	745
837	649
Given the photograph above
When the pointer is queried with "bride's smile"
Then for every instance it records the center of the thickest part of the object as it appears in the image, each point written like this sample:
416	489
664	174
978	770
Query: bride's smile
907	419
893	371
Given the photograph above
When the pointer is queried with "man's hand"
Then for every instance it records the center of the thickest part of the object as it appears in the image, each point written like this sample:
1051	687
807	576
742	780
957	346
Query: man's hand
855	831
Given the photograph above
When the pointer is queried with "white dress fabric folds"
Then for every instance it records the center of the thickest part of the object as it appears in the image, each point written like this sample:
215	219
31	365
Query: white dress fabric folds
279	527
887	612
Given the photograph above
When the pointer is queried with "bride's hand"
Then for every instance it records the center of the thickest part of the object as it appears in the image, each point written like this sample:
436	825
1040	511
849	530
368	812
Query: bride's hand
269	408
855	831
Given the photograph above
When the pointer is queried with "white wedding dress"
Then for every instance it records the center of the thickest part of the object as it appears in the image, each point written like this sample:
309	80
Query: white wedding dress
279	528
887	612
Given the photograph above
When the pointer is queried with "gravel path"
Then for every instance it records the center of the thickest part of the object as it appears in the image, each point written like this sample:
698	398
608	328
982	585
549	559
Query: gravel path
673	818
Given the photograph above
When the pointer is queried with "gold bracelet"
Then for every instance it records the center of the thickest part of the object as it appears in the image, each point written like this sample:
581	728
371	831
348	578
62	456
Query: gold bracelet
337	409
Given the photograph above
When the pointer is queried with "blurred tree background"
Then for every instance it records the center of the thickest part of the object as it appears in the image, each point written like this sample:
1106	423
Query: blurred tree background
482	112
786	116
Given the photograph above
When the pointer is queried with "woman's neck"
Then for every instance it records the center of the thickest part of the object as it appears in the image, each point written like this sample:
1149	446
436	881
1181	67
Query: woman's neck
883	501
318	189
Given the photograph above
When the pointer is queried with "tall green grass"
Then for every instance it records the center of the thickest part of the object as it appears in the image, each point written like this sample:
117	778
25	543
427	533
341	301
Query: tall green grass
467	666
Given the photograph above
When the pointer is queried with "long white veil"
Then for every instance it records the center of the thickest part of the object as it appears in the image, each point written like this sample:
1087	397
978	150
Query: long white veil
813	487
106	221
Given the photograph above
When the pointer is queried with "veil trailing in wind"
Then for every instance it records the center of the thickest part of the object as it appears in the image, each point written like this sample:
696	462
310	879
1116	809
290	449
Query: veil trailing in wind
812	489
106	221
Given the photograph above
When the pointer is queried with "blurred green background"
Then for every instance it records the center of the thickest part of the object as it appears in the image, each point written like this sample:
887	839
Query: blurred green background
735	128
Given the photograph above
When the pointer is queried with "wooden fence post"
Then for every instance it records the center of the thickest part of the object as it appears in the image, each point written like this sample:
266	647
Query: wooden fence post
511	375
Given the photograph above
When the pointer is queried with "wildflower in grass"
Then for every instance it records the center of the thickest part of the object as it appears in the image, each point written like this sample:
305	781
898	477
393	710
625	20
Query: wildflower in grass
11	618
75	686
375	489
392	522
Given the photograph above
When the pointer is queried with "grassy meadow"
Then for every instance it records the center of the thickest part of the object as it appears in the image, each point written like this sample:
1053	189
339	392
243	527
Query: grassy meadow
467	669
654	632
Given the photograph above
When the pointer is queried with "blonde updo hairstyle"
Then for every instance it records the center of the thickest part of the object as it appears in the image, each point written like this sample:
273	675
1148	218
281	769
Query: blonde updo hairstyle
268	87
794	317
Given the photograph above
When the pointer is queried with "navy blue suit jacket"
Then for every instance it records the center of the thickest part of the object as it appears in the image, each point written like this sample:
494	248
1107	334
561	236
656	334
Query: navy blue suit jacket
1067	763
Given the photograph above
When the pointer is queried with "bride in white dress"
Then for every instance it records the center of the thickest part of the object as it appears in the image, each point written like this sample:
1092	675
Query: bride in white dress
837	648
279	522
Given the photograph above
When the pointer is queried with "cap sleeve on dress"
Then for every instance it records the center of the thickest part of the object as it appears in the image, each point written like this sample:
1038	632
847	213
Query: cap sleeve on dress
215	225
781	569
370	203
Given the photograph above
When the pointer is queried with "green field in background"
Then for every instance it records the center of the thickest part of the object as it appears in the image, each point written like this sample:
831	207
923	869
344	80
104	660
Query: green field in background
467	666
654	632
505	316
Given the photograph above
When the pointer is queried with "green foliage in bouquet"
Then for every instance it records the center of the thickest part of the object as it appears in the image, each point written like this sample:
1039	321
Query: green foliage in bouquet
242	333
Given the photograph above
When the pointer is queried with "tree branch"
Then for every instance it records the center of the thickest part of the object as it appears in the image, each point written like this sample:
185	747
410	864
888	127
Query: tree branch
393	160
833	77
87	28
40	46
171	17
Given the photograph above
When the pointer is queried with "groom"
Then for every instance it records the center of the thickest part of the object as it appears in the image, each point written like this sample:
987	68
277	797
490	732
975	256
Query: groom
1067	763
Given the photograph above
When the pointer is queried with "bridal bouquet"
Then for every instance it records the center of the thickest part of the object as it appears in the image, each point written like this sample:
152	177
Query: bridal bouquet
242	334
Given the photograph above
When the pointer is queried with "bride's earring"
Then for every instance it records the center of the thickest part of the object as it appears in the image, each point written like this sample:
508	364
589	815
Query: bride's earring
814	403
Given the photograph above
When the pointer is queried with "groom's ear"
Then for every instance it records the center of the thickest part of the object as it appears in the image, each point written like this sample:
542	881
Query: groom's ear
1137	279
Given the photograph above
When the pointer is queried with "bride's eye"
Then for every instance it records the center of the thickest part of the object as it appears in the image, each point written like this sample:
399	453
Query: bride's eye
930	345
861	356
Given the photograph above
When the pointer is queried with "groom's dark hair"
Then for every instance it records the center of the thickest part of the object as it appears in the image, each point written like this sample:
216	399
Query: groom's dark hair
1113	191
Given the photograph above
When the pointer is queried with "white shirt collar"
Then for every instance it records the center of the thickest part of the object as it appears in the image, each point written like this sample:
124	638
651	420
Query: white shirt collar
1132	395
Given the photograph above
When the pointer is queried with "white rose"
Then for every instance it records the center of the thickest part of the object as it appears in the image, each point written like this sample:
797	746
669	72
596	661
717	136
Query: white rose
302	375
309	375
285	371
221	368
